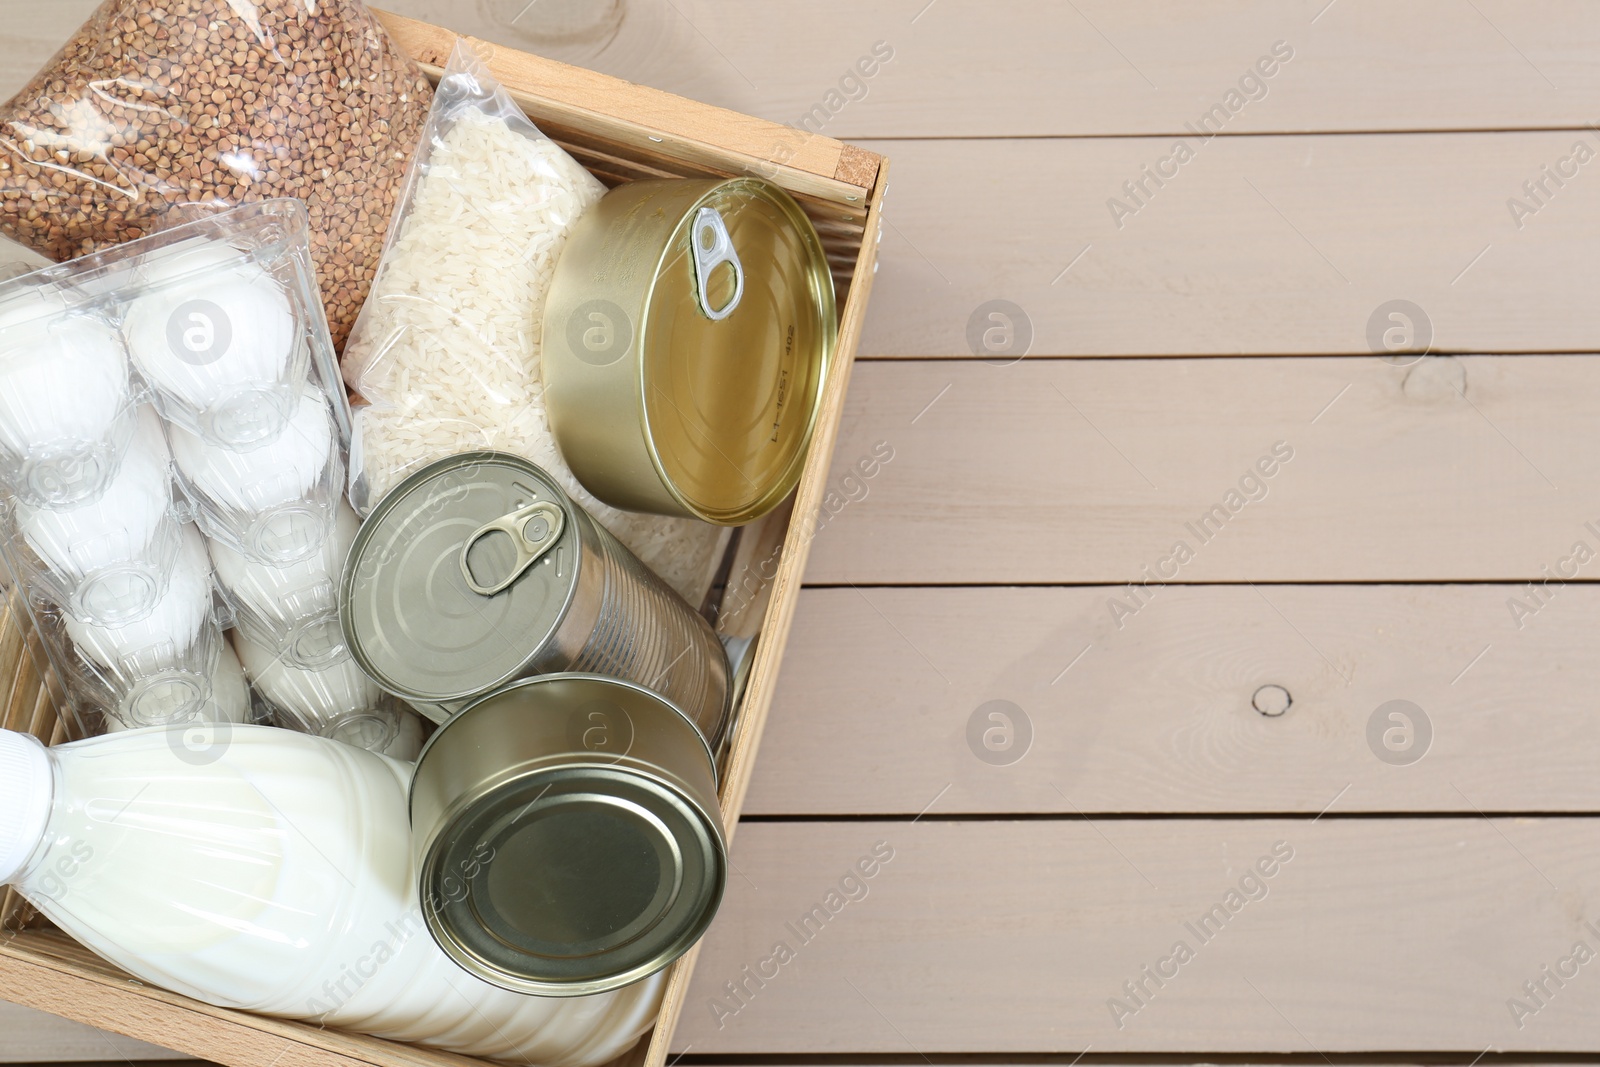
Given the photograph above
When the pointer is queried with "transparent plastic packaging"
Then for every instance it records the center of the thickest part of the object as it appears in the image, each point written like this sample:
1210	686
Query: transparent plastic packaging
213	691
286	625
106	560
291	608
67	405
273	502
219	340
269	871
215	327
389	730
168	626
446	352
166	682
156	111
309	699
220	317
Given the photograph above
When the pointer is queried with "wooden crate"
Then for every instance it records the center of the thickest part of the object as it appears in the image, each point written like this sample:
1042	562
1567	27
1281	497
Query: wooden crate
621	132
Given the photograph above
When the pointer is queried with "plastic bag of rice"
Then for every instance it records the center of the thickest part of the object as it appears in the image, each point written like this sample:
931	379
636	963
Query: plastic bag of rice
446	350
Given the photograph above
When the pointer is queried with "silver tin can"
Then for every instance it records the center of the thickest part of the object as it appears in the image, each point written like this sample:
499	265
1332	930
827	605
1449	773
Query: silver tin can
478	570
567	835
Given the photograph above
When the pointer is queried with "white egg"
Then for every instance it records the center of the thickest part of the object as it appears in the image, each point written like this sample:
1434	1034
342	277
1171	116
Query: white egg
390	731
63	384
230	692
23	305
407	742
315	698
209	325
175	697
188	258
117	526
279	471
172	624
277	592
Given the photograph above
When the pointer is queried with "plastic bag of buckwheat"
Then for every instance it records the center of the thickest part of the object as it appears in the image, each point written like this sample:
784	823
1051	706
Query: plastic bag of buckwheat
157	110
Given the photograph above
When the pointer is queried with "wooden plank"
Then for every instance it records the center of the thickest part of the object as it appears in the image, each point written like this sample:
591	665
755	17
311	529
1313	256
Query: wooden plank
964	68
1088	471
36	1037
1011	937
113	1063
49	972
881	689
1258	245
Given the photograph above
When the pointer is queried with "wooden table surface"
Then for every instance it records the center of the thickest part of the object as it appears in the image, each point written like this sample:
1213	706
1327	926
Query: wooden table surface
1202	624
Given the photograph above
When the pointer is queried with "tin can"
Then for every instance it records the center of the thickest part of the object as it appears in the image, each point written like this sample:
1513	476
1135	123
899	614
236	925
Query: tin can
477	570
567	835
688	333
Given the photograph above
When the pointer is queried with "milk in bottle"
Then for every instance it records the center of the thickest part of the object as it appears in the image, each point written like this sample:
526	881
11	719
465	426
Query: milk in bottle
267	870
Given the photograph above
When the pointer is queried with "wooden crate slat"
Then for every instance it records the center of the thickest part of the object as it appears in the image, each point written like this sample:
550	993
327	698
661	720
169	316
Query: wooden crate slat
643	118
879	687
15	664
995	937
39	1037
614	163
1038	472
48	971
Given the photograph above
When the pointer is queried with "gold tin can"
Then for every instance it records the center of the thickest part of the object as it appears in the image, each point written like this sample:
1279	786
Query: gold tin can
688	333
477	570
568	835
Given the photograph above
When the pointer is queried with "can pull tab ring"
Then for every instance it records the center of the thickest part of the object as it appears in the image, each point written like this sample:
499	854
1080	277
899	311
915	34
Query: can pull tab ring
712	248
533	530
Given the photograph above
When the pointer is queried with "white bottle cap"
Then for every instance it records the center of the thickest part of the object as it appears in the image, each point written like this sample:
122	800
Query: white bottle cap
26	789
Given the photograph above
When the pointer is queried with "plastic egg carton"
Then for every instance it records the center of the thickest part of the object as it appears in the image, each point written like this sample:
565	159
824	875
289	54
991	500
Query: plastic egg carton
217	322
164	402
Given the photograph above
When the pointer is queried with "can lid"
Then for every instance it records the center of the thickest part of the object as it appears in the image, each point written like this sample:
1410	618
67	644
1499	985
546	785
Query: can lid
598	877
737	340
459	576
578	858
